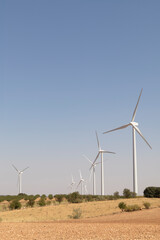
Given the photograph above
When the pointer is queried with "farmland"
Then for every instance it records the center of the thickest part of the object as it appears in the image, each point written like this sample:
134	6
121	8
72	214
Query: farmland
99	220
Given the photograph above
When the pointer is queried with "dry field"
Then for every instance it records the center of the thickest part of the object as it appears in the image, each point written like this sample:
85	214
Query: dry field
100	220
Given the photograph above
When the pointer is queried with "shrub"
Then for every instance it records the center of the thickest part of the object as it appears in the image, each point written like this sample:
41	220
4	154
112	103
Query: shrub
131	208
75	197
146	205
59	197
36	196
41	202
122	206
126	193
15	204
50	196
116	195
77	212
30	202
43	197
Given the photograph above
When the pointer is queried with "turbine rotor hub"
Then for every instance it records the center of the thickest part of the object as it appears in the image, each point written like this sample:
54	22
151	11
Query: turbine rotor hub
134	124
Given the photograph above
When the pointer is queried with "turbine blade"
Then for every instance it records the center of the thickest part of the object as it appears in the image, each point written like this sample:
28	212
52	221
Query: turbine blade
97	140
108	152
24	169
139	132
95	159
80	174
72	180
99	162
78	183
134	113
15	168
87	158
124	126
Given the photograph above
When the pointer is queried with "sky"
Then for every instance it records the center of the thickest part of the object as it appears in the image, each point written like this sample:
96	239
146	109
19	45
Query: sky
68	68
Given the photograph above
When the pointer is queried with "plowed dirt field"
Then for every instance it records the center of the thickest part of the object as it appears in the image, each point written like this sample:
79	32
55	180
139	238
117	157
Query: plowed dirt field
139	225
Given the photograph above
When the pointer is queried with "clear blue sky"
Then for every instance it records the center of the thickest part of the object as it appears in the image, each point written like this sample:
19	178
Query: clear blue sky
68	68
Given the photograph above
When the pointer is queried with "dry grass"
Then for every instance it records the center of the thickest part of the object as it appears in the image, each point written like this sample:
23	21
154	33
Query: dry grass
62	211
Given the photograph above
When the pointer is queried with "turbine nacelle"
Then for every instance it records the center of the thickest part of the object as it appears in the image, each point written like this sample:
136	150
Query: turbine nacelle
134	124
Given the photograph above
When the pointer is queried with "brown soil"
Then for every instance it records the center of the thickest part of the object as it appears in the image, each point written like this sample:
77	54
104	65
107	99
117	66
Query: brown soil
139	225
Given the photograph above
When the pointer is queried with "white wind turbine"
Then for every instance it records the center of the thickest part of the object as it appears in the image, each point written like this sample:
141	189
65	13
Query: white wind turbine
72	183
92	168
85	189
100	152
20	177
134	128
81	182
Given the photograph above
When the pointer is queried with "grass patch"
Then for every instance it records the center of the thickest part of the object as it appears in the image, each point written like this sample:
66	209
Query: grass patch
76	214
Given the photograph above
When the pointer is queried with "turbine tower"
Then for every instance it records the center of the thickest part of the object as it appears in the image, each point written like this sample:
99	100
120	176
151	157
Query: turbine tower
135	129
92	168
100	152
19	177
72	183
81	182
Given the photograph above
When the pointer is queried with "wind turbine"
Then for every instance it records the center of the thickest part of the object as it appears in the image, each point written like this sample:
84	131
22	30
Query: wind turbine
85	189
72	183
93	166
20	177
81	182
134	128
100	152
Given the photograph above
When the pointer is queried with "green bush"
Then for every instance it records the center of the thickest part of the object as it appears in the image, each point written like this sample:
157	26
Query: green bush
36	196
122	206
50	196
42	202
15	204
126	193
116	195
30	202
74	197
151	192
77	212
157	192
43	197
131	208
146	205
59	197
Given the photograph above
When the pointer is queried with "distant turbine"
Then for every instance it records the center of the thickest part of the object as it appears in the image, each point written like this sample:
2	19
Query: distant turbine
92	168
134	128
100	151
19	177
72	183
85	189
81	182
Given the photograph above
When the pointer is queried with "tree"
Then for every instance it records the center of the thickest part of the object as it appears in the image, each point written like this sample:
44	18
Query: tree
116	195
44	196
50	196
126	193
42	202
31	202
15	204
150	192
